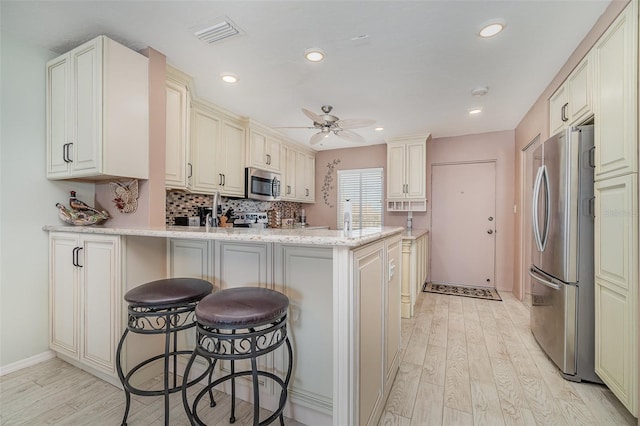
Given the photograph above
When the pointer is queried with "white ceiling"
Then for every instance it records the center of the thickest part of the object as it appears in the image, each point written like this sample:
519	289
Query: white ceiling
413	73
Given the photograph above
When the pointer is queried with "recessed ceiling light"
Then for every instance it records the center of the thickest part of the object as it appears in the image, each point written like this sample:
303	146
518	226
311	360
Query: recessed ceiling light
379	129
229	78
474	111
492	28
314	54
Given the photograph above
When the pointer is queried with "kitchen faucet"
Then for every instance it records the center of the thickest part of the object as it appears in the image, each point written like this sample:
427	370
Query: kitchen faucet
213	221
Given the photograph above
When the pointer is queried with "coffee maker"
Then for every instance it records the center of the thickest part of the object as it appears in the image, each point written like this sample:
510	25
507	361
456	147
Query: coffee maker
203	212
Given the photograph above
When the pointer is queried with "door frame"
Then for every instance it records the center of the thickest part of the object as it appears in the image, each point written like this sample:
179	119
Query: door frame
495	207
524	240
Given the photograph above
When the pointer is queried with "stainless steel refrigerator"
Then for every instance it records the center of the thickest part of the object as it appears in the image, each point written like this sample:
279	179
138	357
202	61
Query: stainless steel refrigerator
562	285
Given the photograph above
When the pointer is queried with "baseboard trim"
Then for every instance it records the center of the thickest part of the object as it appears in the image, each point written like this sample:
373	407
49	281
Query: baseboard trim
27	362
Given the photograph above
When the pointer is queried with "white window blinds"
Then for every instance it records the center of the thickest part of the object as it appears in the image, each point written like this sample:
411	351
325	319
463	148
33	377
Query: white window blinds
363	187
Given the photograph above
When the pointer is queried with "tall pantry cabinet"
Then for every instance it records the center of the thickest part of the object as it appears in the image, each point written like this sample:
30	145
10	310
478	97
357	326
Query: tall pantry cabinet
615	96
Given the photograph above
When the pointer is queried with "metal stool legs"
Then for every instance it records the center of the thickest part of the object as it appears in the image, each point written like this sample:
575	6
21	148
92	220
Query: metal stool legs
212	353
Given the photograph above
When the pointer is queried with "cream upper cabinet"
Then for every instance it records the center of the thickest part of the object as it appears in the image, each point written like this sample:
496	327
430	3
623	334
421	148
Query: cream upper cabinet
264	148
616	95
230	158
205	146
572	102
305	177
98	113
616	287
177	132
202	177
406	173
288	187
85	298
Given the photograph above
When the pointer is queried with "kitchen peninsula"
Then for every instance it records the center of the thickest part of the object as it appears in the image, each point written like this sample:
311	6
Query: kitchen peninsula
344	293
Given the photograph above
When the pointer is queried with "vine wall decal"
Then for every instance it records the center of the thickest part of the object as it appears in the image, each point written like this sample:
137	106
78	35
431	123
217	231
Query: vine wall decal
328	181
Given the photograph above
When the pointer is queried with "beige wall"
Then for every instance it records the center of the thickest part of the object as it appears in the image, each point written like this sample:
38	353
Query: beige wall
372	156
536	122
499	147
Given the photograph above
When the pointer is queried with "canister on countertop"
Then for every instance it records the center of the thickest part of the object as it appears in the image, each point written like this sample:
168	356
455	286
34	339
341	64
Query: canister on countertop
274	218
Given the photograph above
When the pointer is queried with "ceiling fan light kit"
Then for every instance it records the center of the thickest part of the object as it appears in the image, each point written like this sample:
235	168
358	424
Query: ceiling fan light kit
327	123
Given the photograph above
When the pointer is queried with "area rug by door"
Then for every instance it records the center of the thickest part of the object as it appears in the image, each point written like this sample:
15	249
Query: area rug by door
454	290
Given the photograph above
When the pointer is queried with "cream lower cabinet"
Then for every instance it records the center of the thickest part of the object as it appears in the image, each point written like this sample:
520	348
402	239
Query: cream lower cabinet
305	275
415	261
616	287
377	295
190	259
85	296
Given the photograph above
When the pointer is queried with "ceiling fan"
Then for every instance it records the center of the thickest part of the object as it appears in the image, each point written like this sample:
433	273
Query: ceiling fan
327	124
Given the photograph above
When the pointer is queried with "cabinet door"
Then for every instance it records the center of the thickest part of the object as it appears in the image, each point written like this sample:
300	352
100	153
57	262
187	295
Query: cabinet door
190	259
395	171
205	134
177	138
615	96
58	130
231	160
64	308
580	84
86	118
370	282
257	149
301	176
273	154
310	178
392	314
416	161
101	300
616	287
289	156
558	115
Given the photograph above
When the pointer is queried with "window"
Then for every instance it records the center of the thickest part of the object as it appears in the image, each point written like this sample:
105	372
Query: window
363	187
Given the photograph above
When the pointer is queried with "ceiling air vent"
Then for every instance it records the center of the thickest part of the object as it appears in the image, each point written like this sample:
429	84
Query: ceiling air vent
219	31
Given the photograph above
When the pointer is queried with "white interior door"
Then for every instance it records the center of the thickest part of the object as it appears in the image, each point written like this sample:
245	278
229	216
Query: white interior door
463	224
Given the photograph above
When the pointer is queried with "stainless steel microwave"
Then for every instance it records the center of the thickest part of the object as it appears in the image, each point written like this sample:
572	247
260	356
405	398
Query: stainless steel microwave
261	185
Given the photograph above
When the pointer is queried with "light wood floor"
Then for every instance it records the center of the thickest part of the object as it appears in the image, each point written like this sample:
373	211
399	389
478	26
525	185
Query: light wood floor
475	362
464	361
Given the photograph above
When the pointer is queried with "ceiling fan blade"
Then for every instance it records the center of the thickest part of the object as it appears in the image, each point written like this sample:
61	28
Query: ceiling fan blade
313	116
299	127
318	137
354	123
350	136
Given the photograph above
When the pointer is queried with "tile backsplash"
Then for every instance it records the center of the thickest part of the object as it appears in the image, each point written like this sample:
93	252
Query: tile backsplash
181	203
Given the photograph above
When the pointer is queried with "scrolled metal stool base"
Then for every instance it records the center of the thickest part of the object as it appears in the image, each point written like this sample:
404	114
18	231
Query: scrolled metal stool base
236	344
172	315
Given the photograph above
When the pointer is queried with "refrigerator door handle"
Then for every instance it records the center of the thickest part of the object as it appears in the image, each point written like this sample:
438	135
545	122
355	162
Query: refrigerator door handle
547	213
545	282
534	209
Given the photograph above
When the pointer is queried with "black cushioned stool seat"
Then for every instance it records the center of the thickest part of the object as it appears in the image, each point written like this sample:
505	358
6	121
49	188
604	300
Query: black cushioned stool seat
241	323
161	307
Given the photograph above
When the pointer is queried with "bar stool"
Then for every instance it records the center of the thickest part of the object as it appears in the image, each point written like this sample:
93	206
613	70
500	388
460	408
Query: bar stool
235	324
161	307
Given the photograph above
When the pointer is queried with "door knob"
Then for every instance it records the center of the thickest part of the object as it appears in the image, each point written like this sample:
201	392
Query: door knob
489	231
490	218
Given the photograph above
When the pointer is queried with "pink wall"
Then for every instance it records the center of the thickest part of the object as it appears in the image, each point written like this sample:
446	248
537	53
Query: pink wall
536	122
498	147
372	156
151	200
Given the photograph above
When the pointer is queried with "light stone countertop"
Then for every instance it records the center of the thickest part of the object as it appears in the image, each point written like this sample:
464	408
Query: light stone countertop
413	234
321	237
